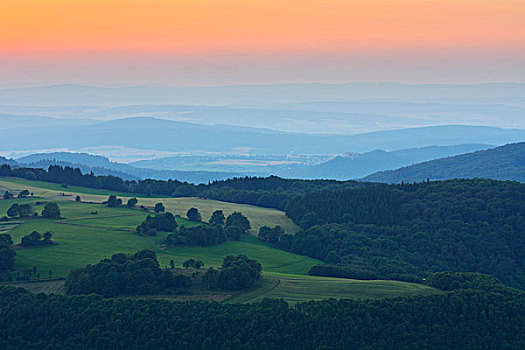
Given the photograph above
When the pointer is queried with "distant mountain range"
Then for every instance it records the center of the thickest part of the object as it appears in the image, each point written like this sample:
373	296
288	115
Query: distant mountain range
71	94
500	163
164	135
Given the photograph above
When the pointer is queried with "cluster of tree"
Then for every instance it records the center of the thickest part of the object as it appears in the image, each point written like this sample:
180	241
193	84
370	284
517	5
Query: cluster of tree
139	273
272	191
236	273
201	235
217	218
113	201
409	231
35	239
236	224
463	319
51	211
192	263
162	222
272	235
238	219
7	254
193	215
22	210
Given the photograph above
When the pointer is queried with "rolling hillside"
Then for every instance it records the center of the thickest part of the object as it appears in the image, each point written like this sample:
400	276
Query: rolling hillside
500	163
83	238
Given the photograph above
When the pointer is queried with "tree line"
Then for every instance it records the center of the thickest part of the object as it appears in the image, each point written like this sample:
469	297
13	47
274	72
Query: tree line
459	319
272	191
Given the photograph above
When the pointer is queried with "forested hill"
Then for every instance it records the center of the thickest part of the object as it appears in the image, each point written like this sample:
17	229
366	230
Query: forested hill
500	163
408	231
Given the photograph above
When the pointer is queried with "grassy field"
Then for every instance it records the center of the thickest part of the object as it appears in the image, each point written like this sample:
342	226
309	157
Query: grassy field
83	238
179	206
297	288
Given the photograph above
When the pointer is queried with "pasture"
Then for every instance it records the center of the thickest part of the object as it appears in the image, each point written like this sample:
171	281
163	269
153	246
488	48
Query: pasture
178	206
299	288
84	238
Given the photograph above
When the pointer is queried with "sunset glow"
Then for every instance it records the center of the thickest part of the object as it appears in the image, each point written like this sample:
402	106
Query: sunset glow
64	29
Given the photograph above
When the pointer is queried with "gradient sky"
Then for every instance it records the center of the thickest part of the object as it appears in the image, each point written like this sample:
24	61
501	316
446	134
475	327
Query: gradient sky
205	42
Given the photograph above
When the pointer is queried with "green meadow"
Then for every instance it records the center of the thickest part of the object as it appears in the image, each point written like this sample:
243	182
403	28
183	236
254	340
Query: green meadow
85	238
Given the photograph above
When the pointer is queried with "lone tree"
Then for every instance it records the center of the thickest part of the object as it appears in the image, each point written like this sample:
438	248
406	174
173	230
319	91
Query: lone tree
272	235
189	263
7	195
238	272
25	210
114	202
13	210
237	219
47	237
217	218
78	199
51	210
132	202
199	264
159	208
194	215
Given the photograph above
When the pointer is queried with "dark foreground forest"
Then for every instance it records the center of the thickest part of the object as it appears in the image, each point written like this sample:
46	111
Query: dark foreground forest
408	231
489	318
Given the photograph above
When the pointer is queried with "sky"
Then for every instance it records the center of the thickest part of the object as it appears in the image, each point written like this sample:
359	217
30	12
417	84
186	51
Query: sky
213	42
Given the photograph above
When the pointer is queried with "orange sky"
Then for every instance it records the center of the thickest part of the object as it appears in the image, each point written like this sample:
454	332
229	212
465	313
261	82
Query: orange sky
240	26
260	41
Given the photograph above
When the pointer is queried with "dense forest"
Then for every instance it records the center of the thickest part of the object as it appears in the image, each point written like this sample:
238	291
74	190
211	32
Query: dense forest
273	192
7	254
408	231
460	319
